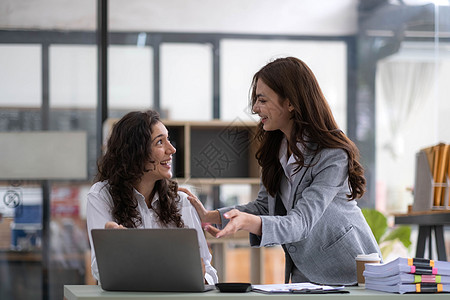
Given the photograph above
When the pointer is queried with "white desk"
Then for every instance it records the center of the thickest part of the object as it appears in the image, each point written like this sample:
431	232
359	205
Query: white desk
94	292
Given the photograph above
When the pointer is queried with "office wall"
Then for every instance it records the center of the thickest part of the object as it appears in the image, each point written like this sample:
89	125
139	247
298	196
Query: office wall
300	17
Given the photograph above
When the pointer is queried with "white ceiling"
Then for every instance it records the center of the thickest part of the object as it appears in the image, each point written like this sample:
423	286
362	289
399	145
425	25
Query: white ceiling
297	17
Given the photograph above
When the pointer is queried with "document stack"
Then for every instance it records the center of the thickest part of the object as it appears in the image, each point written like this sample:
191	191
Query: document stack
409	275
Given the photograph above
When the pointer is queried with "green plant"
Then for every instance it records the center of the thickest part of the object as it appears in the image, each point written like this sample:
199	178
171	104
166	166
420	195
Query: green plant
386	237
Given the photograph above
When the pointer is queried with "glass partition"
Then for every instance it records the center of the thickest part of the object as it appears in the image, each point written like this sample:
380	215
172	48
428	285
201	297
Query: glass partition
186	81
404	59
241	59
383	66
20	78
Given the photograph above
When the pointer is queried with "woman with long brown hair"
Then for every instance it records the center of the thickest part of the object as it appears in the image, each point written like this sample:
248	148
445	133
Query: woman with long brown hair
310	177
133	186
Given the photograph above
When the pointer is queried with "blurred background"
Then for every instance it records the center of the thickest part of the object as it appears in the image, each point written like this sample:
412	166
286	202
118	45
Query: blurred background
383	65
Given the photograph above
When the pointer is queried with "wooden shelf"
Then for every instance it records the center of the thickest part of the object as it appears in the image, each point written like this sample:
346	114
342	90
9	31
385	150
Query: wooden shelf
211	152
21	256
217	181
214	151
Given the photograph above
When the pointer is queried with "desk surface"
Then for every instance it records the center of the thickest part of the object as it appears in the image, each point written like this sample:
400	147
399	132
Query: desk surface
94	292
424	218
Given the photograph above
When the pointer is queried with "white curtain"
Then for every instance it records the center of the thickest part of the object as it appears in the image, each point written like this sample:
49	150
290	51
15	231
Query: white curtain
404	86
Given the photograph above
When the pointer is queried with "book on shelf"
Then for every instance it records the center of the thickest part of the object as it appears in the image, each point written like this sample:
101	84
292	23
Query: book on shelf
442	157
446	179
408	275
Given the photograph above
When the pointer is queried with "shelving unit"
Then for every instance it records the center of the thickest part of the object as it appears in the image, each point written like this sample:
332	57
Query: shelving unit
210	154
214	152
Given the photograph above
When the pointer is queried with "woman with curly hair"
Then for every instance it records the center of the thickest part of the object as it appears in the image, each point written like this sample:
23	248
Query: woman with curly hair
310	175
133	186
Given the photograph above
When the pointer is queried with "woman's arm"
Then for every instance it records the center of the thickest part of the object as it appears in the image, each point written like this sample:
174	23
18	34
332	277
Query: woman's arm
244	217
206	216
192	220
97	216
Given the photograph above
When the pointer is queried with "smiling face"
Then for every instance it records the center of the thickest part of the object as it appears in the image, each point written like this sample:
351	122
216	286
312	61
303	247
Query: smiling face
275	113
161	154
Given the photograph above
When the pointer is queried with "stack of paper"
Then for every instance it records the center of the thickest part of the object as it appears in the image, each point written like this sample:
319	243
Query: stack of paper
298	288
409	275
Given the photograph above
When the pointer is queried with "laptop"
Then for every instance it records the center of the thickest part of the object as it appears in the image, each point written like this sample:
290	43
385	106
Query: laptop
149	260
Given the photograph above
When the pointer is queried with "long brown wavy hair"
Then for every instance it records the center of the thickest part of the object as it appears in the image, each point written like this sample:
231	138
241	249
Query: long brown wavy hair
123	165
314	126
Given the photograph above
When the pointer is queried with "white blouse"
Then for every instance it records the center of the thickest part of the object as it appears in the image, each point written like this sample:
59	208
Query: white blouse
98	213
288	165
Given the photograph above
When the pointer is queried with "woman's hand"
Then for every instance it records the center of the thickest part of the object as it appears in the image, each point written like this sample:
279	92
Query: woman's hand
206	216
238	221
113	225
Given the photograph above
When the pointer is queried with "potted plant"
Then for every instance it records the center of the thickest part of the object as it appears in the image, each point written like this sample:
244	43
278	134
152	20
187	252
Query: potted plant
387	238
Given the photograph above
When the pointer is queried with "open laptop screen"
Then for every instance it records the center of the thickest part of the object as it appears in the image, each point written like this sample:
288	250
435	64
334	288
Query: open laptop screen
148	259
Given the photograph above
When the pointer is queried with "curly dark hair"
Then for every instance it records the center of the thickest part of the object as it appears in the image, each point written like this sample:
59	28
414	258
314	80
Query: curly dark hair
123	165
314	124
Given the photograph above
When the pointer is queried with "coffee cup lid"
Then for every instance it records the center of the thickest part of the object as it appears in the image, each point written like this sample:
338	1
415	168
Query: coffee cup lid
371	256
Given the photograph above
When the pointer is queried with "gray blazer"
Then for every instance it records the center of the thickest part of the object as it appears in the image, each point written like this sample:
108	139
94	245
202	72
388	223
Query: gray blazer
323	231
